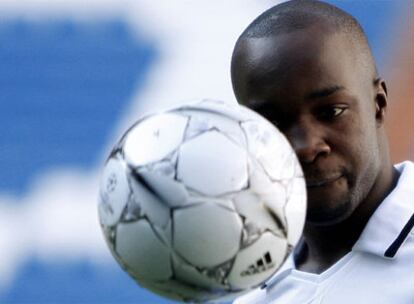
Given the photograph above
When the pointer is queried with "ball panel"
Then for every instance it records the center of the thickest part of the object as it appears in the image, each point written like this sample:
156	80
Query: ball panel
265	142
132	211
206	235
151	204
164	234
275	201
153	138
272	194
259	181
225	202
251	232
295	210
203	121
298	169
171	192
165	167
210	153
114	192
142	251
254	210
256	263
188	274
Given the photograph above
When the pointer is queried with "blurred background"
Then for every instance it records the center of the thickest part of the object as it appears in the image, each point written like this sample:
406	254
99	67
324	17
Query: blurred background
75	74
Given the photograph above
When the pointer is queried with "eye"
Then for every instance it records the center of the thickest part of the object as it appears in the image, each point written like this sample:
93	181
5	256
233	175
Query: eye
331	112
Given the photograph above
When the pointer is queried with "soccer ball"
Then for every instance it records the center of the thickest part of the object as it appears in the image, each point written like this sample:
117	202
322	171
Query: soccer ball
202	201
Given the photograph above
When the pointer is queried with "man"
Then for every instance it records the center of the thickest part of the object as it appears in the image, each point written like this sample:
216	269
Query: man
307	67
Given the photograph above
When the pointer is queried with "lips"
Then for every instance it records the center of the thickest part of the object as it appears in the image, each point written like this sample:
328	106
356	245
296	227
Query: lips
321	181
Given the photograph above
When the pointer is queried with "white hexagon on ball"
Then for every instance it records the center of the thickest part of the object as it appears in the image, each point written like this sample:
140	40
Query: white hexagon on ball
140	249
206	235
212	164
154	138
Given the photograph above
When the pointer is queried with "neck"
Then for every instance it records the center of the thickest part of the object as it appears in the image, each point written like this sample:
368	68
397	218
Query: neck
325	245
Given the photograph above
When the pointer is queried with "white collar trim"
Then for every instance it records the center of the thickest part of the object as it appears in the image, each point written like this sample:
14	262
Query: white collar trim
391	223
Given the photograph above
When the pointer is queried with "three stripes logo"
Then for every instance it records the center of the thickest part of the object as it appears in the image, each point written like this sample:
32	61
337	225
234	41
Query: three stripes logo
261	265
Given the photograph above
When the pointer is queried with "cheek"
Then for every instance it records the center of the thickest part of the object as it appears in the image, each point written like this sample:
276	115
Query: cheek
355	141
359	135
349	139
364	152
369	147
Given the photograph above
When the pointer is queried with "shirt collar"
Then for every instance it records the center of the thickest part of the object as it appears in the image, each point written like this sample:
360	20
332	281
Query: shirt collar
390	224
383	228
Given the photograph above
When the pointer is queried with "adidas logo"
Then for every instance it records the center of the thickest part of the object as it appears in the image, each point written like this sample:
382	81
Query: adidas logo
261	265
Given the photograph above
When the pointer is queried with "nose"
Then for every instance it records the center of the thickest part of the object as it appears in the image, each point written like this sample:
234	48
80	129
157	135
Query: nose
308	142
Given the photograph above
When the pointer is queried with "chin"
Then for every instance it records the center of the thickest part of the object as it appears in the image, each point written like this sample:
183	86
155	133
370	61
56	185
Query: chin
328	216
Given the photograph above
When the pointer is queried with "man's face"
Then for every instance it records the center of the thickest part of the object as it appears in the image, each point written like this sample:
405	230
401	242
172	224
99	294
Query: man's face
316	90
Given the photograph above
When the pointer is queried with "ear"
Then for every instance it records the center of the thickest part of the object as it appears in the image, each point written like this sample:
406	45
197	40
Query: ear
381	100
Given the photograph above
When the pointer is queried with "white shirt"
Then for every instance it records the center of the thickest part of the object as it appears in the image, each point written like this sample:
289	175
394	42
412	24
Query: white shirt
379	269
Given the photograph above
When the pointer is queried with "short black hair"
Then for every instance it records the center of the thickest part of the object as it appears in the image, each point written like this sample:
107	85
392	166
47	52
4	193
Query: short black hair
300	14
296	15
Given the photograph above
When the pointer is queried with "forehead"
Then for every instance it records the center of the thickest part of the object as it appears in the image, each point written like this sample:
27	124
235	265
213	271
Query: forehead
299	44
304	58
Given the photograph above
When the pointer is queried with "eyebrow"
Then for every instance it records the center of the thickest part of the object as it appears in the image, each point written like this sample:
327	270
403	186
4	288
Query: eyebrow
325	92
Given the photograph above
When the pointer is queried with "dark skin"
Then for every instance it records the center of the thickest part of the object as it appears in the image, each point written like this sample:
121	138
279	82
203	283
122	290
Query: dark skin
320	89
